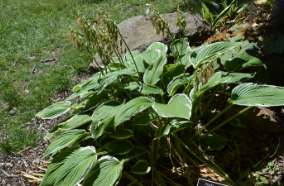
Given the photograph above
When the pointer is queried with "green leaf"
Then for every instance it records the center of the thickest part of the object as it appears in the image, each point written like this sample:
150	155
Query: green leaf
55	166
236	77
213	142
95	100
86	88
110	77
144	119
222	14
266	170
151	89
132	108
54	110
263	179
177	82
270	164
249	94
138	60
207	52
141	167
276	170
105	173
163	131
170	75
185	60
271	43
242	61
180	47
119	147
172	127
153	52
123	134
73	122
154	71
103	116
63	140
180	125
179	106
208	16
76	167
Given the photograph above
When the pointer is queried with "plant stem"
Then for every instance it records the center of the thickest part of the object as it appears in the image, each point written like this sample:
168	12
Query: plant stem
127	159
220	169
132	179
209	122
229	119
195	155
131	55
101	153
206	106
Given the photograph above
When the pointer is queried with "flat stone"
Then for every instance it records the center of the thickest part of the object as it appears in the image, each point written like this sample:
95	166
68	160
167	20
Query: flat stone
139	32
12	112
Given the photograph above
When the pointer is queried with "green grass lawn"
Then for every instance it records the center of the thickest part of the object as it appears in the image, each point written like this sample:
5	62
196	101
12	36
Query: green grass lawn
35	30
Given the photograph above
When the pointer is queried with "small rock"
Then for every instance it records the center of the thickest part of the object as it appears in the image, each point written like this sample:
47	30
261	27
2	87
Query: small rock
3	182
8	184
25	163
12	112
37	161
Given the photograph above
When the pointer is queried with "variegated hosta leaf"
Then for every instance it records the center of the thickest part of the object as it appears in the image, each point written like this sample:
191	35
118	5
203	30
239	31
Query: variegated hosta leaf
94	101
132	108
106	172
141	65
73	122
200	55
147	89
144	119
178	82
153	52
123	134
86	88
119	147
103	116
249	94
63	140
179	106
54	110
184	60
237	77
76	167
56	165
154	71
151	89
141	167
170	75
110	77
242	61
180	47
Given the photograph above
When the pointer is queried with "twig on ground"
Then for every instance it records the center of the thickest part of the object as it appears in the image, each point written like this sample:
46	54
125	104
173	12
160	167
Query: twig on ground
8	175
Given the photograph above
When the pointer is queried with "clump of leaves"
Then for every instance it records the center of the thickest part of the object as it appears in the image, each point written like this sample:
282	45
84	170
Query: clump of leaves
135	119
270	171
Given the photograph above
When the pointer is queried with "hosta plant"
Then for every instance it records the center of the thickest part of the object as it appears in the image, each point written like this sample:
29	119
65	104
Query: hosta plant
134	123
